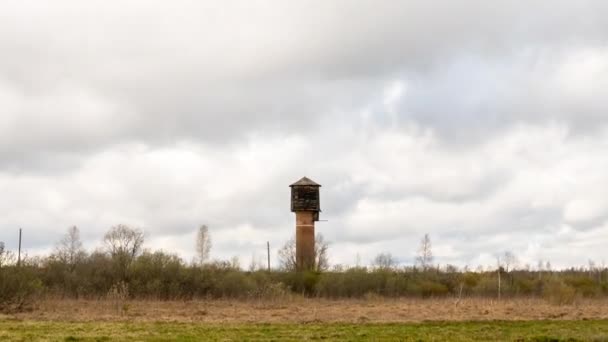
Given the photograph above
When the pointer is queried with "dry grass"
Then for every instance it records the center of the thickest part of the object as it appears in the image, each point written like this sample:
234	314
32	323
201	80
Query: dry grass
301	310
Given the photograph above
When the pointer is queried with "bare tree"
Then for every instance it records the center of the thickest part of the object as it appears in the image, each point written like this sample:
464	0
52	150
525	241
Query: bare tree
384	261
287	255
6	257
235	263
123	243
253	264
256	263
124	240
358	260
425	254
321	257
540	266
3	253
203	244
591	268
509	261
69	249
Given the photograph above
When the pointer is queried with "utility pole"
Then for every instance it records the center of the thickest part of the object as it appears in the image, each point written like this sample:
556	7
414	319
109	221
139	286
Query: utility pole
19	253
268	250
499	280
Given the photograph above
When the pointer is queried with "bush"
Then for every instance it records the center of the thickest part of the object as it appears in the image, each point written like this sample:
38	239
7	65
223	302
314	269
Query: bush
235	284
584	286
303	282
429	288
487	286
164	276
558	293
19	286
270	291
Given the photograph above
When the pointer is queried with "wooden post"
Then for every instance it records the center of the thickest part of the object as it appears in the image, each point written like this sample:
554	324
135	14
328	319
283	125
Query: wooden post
499	269
19	253
268	249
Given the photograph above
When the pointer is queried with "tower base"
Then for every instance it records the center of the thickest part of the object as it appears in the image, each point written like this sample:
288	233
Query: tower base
305	240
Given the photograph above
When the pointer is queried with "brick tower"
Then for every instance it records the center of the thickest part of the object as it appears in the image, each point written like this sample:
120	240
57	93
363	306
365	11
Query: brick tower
306	204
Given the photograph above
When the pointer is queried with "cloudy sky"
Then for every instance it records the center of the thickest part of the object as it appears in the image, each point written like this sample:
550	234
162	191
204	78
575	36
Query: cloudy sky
481	123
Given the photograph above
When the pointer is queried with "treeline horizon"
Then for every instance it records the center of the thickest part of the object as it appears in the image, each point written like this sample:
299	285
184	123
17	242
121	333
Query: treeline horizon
423	259
124	270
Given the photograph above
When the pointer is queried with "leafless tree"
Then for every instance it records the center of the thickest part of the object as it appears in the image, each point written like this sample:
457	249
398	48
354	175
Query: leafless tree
123	243
384	261
540	266
253	264
287	255
256	263
509	261
425	253
124	240
6	257
3	255
592	268
69	249
358	260
203	244
235	263
321	257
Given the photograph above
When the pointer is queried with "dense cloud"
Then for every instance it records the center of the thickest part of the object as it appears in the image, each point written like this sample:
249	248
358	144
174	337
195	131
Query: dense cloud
483	124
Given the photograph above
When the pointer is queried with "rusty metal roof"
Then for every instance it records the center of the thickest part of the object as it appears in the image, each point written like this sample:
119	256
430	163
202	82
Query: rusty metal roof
305	182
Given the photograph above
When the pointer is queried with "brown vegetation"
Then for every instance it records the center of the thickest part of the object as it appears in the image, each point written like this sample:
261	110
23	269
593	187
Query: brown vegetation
123	275
306	310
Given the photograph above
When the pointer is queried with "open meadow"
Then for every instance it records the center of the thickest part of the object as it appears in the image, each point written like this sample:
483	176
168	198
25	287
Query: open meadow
299	319
431	331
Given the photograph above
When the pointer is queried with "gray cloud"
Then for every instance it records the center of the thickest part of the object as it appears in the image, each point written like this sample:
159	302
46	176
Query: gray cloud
480	123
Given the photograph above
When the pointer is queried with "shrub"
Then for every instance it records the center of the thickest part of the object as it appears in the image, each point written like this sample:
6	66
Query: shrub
559	293
270	291
429	288
584	286
118	295
303	282
19	287
234	284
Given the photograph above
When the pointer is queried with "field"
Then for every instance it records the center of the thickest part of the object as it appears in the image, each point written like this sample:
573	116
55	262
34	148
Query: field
299	319
437	331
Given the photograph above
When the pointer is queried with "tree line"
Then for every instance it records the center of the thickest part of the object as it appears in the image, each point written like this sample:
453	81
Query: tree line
124	269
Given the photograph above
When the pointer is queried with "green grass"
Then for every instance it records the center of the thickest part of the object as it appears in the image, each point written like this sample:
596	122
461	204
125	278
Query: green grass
435	331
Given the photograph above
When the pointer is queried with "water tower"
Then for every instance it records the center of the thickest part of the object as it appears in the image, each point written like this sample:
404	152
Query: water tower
306	204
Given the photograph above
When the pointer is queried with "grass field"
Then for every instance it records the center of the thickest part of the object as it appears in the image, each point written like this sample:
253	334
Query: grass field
432	331
301	319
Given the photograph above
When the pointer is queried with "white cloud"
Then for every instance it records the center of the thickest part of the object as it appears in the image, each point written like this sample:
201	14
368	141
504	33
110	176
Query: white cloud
481	124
